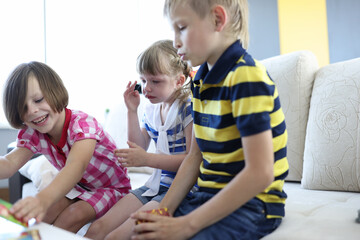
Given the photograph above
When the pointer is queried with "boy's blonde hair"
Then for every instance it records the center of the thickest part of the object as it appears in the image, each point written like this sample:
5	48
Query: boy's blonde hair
162	58
51	85
237	11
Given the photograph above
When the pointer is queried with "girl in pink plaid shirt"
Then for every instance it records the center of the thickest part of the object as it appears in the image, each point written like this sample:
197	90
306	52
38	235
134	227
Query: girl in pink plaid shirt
35	101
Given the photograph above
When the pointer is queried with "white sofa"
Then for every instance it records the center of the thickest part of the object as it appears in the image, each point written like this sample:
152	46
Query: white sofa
322	108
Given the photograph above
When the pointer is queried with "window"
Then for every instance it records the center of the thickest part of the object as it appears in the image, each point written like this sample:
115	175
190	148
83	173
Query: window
22	37
92	44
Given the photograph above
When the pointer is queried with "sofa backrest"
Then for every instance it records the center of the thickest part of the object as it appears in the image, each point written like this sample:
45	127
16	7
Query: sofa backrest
294	75
332	145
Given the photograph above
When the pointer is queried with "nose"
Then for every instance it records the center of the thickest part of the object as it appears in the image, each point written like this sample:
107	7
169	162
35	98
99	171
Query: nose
146	87
177	42
32	108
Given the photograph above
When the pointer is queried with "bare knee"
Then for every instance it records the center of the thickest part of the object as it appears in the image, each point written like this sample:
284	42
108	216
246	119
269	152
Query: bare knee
75	216
55	210
95	228
112	236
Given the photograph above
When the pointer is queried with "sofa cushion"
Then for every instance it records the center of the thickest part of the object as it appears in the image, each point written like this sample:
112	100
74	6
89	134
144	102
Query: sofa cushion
294	74
314	215
40	171
332	156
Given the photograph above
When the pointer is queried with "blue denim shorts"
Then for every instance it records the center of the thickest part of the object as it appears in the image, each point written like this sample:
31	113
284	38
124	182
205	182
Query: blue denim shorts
247	223
139	191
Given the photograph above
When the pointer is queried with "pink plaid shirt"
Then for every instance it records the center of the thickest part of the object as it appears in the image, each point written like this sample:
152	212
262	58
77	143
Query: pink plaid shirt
104	181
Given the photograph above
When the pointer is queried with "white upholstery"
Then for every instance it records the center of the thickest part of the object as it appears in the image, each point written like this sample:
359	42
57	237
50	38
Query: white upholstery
293	74
332	157
317	215
321	107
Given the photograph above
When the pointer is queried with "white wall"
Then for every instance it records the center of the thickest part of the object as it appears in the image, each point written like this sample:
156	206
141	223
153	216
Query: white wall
95	47
91	44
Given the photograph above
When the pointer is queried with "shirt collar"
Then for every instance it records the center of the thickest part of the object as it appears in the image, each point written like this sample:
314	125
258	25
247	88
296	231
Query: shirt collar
222	66
63	139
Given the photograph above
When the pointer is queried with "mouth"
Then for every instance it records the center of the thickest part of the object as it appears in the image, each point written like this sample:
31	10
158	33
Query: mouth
149	97
40	119
181	55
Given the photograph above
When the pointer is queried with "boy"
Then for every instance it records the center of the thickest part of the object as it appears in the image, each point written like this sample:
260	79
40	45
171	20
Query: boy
239	156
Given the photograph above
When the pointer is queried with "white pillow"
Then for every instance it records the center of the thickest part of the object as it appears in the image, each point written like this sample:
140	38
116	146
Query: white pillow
40	171
332	146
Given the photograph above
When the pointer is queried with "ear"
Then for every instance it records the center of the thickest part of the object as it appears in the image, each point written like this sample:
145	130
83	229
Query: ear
220	17
180	80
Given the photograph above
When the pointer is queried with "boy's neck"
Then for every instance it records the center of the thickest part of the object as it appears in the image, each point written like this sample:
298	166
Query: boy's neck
223	46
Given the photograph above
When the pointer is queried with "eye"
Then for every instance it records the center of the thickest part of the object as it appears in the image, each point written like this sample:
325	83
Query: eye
182	28
39	100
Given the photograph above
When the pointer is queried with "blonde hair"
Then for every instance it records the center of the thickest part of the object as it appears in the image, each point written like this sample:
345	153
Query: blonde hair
237	11
15	91
162	58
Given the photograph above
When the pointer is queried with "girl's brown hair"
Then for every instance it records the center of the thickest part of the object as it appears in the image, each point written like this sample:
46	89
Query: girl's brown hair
162	58
15	90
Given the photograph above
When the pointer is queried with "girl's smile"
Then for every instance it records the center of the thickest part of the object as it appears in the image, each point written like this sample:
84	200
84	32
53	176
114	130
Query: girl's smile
41	120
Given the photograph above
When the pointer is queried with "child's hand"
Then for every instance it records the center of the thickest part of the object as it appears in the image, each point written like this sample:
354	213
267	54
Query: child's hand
158	211
153	226
131	97
30	207
134	156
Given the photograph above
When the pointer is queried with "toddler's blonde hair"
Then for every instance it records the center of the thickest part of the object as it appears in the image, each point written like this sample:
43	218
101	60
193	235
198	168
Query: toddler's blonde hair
162	58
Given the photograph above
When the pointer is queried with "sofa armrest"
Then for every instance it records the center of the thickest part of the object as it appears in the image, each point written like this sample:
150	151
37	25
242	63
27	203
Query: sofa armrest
17	181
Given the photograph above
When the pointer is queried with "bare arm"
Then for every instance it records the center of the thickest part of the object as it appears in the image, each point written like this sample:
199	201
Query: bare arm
257	175
185	178
76	163
132	102
13	161
135	156
254	178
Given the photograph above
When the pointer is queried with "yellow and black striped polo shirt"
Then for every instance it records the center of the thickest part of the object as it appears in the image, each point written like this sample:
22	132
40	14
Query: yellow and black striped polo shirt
237	98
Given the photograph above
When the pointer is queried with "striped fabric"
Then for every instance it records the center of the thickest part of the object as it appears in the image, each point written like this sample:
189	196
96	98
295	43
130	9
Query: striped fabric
176	135
105	181
237	98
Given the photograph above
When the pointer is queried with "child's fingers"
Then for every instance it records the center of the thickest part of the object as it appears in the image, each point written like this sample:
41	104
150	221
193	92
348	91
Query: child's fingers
130	88
147	217
121	152
22	209
132	144
133	85
40	217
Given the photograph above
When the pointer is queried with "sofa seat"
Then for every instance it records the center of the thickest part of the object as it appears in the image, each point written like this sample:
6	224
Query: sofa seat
314	214
322	213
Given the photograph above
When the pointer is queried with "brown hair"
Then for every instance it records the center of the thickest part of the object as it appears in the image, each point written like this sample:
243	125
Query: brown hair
162	58
15	90
237	10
